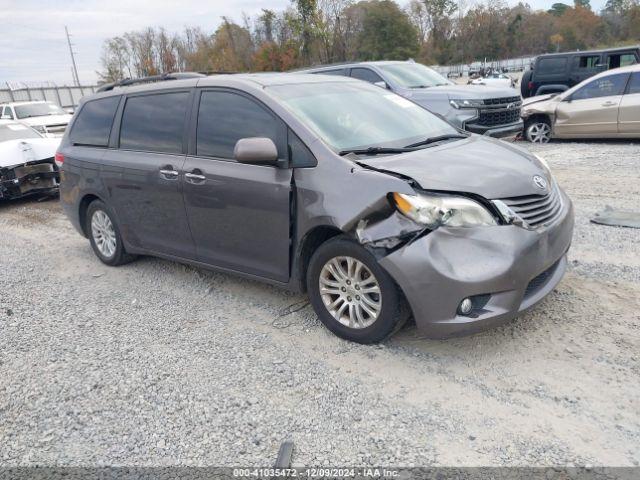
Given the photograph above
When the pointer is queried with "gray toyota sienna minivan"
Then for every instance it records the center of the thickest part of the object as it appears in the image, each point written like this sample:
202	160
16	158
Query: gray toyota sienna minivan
377	208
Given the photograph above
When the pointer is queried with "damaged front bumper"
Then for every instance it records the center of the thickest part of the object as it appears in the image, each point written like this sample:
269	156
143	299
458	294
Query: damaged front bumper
503	269
37	177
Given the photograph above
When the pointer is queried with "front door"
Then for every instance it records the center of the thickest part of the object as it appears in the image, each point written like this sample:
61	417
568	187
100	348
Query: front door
239	214
144	174
629	111
592	109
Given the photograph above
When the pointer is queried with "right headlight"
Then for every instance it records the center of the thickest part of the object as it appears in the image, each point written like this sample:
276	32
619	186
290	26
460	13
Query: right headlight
435	210
462	103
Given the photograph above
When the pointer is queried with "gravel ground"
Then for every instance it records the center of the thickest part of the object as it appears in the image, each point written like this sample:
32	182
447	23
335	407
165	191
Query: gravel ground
156	364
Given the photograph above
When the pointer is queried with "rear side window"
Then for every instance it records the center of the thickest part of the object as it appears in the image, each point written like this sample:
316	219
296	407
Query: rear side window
93	125
225	117
366	75
602	87
552	65
634	84
154	123
590	61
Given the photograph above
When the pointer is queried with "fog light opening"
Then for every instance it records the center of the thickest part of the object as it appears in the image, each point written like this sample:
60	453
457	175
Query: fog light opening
465	307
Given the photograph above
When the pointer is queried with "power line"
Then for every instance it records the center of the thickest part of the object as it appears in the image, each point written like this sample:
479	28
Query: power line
74	72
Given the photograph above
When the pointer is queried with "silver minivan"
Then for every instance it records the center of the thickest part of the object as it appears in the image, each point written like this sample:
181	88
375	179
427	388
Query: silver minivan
378	209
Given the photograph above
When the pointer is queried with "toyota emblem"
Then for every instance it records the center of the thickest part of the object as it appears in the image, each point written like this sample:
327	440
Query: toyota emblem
540	182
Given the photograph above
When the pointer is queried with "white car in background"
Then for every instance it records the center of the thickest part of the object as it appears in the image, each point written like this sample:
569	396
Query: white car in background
45	117
495	79
27	164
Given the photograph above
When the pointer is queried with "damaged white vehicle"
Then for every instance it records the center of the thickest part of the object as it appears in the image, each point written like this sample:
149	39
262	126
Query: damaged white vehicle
27	164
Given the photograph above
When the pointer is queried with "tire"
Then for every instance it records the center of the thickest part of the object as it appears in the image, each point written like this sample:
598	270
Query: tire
524	84
104	235
356	322
537	130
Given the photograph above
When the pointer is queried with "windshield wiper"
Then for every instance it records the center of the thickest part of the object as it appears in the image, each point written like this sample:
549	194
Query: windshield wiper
376	150
439	138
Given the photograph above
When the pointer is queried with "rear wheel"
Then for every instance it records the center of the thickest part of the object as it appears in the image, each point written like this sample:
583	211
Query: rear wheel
104	235
538	130
524	84
352	295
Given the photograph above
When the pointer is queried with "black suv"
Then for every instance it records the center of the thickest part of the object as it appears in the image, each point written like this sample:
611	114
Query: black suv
558	72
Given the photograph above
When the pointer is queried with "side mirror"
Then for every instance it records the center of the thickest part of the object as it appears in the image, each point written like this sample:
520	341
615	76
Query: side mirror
381	84
256	150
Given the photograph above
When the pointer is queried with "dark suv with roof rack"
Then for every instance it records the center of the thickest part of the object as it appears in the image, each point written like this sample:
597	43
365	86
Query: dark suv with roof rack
558	72
478	109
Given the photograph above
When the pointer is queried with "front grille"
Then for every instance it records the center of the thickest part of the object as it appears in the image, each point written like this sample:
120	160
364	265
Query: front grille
536	210
540	281
499	111
501	101
490	118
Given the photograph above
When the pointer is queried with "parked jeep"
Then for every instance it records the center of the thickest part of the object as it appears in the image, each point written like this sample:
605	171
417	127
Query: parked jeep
558	72
482	109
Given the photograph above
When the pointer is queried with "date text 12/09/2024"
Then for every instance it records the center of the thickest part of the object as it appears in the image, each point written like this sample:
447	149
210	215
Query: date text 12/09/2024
315	472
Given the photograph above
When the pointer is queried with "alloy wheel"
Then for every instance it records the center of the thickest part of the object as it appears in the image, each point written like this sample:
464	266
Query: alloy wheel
350	292
539	132
104	235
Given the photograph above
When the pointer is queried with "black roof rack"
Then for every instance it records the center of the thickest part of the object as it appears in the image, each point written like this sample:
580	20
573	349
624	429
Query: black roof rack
153	78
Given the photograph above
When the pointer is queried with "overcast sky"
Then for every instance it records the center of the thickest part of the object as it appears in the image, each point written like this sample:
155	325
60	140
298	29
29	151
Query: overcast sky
33	45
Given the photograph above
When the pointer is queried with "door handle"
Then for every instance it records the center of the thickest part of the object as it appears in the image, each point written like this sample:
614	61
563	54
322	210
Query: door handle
609	104
195	177
168	174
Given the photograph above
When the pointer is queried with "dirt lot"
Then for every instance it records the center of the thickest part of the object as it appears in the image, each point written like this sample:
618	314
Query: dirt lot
155	363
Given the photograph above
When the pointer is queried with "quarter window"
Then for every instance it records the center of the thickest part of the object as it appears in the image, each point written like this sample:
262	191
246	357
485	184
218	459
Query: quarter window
8	112
93	125
154	123
552	65
339	71
366	75
225	117
602	87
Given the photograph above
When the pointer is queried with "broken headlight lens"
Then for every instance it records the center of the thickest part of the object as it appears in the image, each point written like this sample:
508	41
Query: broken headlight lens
434	210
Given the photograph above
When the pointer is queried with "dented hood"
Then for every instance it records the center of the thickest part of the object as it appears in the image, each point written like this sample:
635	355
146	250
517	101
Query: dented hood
18	152
479	165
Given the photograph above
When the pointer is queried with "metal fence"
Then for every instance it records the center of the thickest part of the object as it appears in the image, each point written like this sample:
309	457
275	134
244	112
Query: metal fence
66	97
510	65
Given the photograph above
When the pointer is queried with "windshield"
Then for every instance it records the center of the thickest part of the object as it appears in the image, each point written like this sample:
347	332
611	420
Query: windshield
413	75
354	115
15	131
38	110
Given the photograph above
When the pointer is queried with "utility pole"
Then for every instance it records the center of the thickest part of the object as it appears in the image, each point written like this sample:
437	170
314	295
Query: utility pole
73	58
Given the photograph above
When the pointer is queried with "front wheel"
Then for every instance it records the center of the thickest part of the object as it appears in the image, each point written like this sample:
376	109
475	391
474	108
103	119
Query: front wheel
352	295
538	130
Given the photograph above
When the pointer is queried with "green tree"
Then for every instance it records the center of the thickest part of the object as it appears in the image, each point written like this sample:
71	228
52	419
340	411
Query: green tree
558	9
387	32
